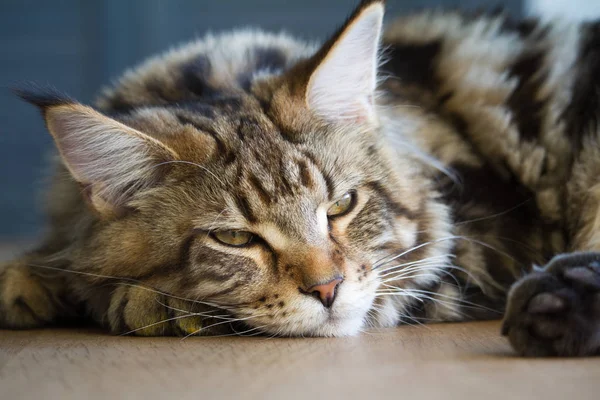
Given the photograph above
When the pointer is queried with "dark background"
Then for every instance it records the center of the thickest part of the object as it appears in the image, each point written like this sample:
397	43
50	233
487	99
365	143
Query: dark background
78	46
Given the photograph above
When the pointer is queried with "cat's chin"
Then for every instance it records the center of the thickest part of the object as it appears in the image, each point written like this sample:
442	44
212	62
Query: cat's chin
333	327
338	327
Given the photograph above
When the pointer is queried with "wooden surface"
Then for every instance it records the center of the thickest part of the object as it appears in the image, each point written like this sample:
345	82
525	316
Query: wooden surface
445	361
466	361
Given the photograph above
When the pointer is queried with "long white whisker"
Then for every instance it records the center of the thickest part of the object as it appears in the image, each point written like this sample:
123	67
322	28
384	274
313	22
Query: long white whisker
454	298
401	276
152	290
426	295
413	275
221	323
200	314
420	297
243	332
415	267
441	258
437	268
128	282
379	264
157	323
493	215
384	261
489	246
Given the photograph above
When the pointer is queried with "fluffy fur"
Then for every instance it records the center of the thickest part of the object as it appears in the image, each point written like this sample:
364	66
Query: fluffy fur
468	143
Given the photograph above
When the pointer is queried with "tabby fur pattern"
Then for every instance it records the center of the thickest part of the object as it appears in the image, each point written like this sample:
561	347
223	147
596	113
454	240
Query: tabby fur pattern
468	145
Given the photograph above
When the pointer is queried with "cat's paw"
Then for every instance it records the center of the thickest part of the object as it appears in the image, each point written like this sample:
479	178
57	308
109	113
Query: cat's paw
143	311
24	301
556	311
135	310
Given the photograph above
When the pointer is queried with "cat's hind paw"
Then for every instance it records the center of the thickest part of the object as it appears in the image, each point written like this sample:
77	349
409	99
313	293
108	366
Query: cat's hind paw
556	311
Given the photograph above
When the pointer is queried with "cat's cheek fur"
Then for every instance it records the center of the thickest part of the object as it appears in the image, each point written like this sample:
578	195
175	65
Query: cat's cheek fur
385	313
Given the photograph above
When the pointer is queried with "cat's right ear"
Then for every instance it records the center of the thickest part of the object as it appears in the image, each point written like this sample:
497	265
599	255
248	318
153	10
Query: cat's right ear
343	81
111	160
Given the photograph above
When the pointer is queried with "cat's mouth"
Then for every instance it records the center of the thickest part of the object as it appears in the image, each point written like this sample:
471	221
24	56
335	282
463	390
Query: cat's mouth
308	317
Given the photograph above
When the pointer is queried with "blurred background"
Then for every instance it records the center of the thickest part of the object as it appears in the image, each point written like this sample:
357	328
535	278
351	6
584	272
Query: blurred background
78	46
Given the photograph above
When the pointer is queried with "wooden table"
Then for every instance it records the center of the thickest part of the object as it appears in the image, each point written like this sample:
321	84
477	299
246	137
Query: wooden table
466	361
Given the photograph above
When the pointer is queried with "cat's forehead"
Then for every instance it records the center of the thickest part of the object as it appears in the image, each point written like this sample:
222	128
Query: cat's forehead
235	124
251	169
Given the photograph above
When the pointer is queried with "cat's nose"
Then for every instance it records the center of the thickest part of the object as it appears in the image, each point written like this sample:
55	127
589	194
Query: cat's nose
326	292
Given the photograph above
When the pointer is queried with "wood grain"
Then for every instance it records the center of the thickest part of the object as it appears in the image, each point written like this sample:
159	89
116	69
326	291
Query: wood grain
446	361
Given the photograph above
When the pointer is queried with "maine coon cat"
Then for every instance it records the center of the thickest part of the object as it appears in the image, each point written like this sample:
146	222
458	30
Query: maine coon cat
252	183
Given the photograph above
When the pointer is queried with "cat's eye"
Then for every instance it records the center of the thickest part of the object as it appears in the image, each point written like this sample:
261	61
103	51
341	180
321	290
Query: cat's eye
342	206
234	238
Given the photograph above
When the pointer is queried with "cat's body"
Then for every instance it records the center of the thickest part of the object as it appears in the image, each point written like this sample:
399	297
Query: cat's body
476	158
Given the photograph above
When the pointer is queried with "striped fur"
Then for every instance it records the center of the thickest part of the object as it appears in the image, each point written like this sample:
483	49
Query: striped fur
475	158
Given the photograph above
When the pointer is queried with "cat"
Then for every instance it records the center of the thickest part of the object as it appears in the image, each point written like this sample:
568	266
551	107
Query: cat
443	169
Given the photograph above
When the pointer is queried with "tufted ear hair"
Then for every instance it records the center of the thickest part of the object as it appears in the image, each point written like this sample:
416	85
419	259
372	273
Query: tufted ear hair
110	159
343	82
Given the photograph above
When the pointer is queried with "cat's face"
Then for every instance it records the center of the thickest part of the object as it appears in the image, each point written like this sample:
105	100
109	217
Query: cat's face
277	205
256	219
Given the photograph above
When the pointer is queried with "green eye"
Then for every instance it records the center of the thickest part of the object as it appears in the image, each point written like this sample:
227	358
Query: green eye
342	205
234	238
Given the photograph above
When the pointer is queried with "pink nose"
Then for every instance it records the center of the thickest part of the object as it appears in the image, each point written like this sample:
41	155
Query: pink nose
325	292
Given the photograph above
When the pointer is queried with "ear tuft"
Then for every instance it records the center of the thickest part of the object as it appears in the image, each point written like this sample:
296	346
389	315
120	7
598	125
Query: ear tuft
42	97
343	84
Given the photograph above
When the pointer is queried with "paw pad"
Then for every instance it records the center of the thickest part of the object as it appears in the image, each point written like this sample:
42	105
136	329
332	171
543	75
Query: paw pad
546	303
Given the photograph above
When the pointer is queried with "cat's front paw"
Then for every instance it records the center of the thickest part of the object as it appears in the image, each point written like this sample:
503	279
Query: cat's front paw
556	311
142	311
26	301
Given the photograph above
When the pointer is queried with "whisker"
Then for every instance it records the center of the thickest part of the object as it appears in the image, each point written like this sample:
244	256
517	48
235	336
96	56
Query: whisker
414	248
413	276
434	300
493	215
156	323
221	323
410	263
416	320
152	290
457	299
132	283
383	261
242	333
426	295
397	269
489	246
201	314
397	293
418	264
433	270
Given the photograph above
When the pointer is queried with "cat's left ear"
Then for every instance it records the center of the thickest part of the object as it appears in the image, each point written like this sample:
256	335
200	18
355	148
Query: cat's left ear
343	82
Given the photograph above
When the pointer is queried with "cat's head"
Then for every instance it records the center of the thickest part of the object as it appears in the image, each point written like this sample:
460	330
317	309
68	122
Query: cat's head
276	202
